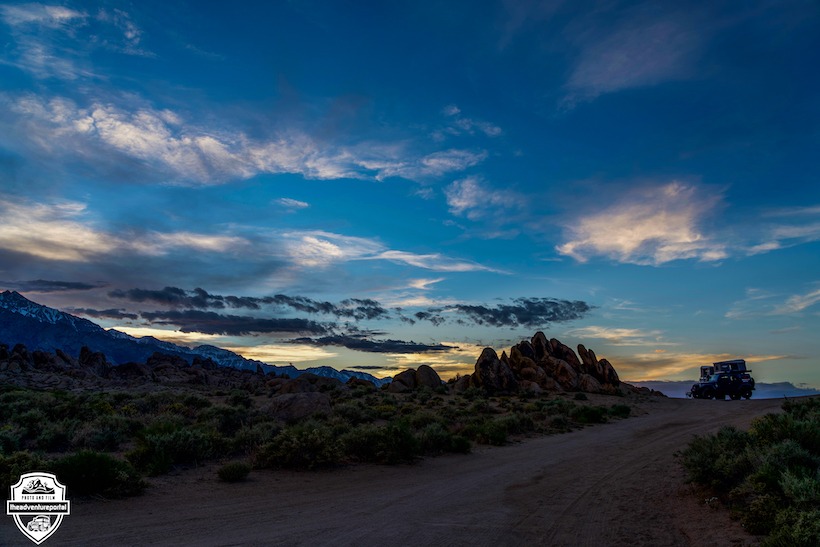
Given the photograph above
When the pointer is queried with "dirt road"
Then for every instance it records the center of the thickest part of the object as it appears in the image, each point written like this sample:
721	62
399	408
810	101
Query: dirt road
614	484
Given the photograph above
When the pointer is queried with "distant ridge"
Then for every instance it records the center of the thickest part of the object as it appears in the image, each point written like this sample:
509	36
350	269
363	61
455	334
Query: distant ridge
39	327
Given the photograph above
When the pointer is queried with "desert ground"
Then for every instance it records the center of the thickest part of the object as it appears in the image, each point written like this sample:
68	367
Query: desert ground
611	484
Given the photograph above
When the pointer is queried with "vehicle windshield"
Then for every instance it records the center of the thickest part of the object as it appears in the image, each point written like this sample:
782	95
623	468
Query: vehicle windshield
714	378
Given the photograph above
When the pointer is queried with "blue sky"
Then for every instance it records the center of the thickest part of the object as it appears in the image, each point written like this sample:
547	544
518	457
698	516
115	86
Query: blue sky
385	184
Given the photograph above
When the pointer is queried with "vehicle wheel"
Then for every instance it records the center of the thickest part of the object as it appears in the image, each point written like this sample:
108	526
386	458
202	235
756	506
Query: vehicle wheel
708	394
735	396
747	393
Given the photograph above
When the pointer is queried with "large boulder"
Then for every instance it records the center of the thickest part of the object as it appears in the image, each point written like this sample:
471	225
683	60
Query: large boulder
427	377
565	353
518	360
492	374
608	372
562	372
461	384
292	407
540	346
588	383
403	382
95	362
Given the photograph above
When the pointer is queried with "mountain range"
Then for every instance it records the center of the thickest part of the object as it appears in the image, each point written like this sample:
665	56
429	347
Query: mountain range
23	321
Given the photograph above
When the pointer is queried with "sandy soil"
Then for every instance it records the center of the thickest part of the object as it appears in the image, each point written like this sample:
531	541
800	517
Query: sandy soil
613	484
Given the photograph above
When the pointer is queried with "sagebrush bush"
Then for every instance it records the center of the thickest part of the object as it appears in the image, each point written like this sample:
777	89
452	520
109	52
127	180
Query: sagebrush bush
233	472
308	445
96	473
769	475
589	414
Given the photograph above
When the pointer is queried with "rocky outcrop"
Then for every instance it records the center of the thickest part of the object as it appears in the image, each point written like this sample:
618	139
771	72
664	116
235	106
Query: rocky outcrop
545	364
492	374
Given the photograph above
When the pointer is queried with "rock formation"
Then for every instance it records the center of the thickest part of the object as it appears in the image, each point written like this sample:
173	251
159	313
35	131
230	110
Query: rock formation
539	365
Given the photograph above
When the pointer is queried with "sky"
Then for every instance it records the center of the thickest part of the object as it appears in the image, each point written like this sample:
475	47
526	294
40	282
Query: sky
377	185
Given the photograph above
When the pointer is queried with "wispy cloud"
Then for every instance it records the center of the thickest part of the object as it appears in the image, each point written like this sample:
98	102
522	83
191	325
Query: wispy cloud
458	124
319	249
759	303
615	336
169	149
644	47
48	16
471	198
51	41
63	231
292	204
654	226
787	227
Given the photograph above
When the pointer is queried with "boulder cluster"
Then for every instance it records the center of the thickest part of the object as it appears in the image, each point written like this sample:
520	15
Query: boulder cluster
410	379
541	364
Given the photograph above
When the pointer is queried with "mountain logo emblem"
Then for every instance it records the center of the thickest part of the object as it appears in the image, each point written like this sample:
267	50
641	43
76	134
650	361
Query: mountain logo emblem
38	504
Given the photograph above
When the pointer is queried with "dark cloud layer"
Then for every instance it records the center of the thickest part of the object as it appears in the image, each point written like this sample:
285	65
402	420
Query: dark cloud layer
199	299
209	322
359	343
523	312
104	314
44	285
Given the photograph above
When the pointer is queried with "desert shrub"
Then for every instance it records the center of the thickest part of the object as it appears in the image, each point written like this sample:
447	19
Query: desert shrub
589	414
770	475
560	423
9	439
364	443
57	436
487	431
620	411
233	472
353	411
518	423
156	453
436	439
391	444
105	433
802	489
14	465
559	407
423	418
308	445
472	393
196	401
227	420
385	411
718	460
249	438
95	473
240	398
795	528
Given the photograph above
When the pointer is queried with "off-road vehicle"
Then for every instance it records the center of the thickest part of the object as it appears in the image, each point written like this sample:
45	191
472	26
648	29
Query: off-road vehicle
724	378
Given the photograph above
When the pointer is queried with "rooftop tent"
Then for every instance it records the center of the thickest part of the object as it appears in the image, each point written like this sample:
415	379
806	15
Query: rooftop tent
734	364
